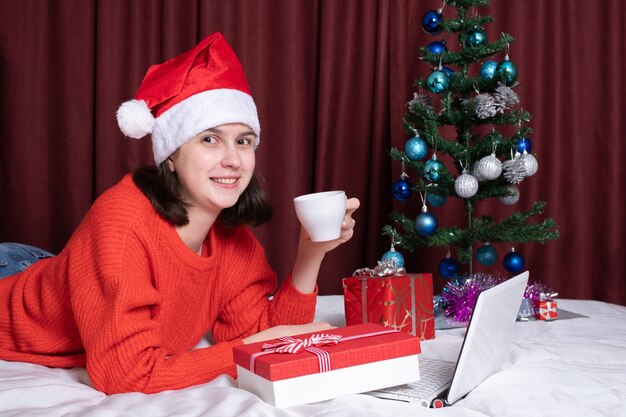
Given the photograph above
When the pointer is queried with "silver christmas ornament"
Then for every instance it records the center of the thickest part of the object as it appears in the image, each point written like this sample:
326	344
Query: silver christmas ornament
476	173
485	106
489	167
510	199
421	100
514	169
505	98
466	185
530	163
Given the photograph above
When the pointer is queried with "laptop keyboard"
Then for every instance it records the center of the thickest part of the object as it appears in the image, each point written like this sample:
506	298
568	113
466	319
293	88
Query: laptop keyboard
434	376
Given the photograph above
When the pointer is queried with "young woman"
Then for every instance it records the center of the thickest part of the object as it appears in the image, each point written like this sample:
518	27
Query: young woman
166	255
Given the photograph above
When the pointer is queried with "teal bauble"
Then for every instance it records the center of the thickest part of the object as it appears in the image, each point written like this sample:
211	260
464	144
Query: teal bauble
435	200
488	70
434	170
416	148
486	255
393	255
438	81
476	38
507	72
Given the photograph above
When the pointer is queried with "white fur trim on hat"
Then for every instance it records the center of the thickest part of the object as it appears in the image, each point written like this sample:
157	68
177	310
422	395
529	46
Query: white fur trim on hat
202	111
135	119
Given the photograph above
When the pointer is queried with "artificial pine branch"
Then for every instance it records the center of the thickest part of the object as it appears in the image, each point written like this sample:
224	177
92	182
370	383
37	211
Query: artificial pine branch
465	56
462	25
512	229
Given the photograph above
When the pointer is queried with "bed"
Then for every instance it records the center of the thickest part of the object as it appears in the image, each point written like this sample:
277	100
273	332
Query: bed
568	367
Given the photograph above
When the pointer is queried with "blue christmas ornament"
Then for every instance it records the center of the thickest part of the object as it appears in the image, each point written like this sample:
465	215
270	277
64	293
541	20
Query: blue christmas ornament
486	255
507	72
488	70
435	200
437	47
475	38
425	224
513	262
393	255
434	169
415	148
524	144
401	190
438	81
448	71
448	268
431	22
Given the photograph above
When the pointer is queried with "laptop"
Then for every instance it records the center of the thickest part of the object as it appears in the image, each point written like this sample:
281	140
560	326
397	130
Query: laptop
486	341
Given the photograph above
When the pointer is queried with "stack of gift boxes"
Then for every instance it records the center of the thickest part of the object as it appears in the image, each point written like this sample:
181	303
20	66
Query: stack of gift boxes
316	367
388	312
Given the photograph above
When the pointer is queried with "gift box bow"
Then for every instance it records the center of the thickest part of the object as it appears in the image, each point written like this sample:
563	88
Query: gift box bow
292	345
385	268
547	310
289	344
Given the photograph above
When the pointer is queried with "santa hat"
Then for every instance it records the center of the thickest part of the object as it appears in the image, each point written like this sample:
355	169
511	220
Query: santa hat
195	91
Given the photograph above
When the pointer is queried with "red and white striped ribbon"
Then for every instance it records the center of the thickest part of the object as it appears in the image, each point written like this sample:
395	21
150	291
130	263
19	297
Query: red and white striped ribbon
292	345
289	344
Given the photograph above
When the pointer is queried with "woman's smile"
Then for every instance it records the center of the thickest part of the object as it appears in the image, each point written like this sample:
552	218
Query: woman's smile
225	180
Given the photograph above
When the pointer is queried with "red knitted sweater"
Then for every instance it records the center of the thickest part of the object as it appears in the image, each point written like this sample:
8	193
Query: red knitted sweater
127	299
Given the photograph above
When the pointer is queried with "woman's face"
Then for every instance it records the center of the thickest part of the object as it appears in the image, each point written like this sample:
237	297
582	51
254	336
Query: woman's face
215	167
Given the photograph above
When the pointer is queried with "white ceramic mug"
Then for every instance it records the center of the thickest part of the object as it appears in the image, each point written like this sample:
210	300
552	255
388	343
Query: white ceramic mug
321	214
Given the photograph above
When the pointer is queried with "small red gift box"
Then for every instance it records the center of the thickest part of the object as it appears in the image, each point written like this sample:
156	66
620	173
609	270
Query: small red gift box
545	310
402	302
315	367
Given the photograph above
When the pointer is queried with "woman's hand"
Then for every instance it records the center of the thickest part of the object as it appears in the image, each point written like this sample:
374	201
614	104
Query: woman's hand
286	330
310	254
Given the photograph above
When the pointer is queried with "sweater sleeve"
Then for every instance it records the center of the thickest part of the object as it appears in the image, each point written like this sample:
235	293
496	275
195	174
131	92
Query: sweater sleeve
122	340
248	308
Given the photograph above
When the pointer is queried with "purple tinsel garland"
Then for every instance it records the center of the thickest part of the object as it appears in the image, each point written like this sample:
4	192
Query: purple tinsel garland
459	296
538	290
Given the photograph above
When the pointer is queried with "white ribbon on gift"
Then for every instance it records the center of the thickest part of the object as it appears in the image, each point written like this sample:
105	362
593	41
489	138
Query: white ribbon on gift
293	345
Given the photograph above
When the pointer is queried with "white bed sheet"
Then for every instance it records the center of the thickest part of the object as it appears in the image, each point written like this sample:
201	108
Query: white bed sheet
574	367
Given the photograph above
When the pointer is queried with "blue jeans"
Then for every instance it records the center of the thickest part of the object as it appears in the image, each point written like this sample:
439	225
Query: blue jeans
16	257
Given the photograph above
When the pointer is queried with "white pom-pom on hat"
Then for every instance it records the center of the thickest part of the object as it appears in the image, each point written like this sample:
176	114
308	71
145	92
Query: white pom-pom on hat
135	119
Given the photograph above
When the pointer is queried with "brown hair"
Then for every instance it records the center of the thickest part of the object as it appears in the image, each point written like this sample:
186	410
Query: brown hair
162	188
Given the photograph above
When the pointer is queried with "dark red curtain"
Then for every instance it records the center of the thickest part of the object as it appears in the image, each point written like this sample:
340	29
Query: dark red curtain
331	80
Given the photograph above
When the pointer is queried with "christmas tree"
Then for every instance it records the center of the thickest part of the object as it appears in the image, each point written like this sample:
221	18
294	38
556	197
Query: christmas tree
470	92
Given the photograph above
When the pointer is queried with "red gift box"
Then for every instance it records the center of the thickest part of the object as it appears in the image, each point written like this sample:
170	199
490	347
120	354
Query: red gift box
545	310
348	360
367	343
401	302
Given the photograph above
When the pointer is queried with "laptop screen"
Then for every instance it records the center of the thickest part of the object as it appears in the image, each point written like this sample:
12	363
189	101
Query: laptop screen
488	335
